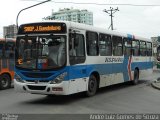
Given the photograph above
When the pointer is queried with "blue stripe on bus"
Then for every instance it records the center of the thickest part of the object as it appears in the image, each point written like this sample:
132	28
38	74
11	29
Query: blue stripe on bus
125	70
80	71
142	65
104	69
53	76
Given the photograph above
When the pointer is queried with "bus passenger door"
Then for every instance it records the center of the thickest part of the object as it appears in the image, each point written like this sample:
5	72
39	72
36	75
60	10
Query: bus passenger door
77	69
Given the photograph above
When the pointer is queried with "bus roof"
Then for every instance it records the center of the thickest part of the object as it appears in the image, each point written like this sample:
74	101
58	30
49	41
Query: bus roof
95	29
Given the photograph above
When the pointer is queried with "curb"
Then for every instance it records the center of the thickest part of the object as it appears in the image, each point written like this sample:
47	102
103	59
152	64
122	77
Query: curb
156	70
154	84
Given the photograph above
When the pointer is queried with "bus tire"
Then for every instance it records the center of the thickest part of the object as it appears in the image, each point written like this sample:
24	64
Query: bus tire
136	77
92	86
5	81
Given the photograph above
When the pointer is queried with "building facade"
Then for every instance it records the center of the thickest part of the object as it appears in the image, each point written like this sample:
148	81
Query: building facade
74	15
10	31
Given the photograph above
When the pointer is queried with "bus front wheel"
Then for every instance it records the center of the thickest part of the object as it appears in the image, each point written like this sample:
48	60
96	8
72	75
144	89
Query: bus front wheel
92	86
5	81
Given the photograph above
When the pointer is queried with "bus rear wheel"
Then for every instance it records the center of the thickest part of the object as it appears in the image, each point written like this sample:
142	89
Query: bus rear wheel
5	81
136	77
92	86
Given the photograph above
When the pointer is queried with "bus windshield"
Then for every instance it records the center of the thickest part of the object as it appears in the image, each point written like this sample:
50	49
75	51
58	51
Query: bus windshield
41	52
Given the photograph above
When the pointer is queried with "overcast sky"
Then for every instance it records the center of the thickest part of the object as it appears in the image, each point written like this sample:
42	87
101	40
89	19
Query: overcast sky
138	20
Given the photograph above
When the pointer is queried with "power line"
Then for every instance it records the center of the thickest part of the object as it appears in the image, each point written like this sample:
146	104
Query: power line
102	4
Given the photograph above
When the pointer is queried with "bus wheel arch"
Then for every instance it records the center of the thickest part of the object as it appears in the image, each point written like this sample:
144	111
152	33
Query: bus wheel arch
136	76
5	81
93	84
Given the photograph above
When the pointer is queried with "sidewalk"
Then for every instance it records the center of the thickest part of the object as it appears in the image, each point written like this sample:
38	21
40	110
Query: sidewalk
155	69
156	84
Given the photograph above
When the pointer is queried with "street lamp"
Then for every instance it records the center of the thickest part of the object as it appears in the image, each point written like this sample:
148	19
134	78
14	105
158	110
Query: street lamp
28	8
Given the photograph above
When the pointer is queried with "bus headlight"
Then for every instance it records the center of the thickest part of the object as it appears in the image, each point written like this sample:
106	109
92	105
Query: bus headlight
18	78
59	78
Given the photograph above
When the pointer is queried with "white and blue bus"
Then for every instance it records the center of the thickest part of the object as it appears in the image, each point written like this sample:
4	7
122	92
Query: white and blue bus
62	58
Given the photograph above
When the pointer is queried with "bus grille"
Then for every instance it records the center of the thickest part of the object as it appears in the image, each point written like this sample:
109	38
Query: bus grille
39	81
37	75
36	87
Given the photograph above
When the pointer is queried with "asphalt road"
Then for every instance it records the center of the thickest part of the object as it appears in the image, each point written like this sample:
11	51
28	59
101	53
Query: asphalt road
121	98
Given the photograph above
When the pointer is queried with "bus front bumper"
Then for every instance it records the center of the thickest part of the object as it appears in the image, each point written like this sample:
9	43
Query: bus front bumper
41	88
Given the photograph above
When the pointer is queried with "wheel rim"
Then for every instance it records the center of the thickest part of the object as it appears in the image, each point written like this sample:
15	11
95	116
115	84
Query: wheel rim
4	82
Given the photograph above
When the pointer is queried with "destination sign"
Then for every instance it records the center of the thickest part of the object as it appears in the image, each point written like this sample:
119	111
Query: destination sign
42	28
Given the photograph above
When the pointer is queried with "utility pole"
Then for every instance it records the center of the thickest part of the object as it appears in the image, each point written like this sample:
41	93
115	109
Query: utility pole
111	12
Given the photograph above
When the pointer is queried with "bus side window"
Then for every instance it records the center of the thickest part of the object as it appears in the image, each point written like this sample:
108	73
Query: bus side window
117	46
2	49
76	48
92	43
142	48
127	47
9	49
135	48
149	49
105	45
